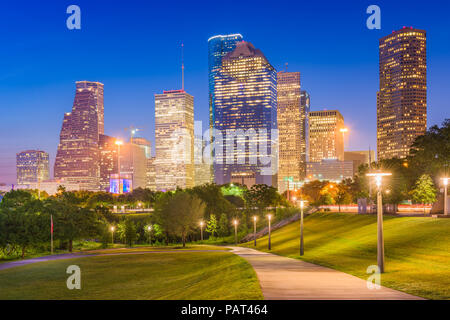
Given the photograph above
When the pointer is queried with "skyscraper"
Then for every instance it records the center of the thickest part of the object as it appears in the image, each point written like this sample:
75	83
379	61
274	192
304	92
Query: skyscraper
174	140
32	166
133	164
77	158
108	160
325	139
305	103
218	47
245	112
402	98
203	172
291	133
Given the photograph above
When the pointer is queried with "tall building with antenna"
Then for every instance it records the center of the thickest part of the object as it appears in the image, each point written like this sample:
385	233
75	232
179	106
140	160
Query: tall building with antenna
174	138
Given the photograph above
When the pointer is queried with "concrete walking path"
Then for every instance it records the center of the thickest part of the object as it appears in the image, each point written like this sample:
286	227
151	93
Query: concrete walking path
283	278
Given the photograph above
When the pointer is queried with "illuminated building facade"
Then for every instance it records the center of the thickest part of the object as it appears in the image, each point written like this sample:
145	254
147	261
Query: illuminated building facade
305	107
402	98
325	139
133	164
108	160
245	100
174	140
77	158
144	144
359	158
203	170
151	174
291	119
32	166
218	47
330	170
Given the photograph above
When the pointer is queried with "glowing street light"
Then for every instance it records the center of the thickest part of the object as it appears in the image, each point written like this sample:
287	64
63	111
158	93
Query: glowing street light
201	230
445	181
235	222
254	229
302	205
112	234
269	216
380	242
118	143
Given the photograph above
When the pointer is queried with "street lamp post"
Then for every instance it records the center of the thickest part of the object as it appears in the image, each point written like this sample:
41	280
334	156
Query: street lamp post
380	239
254	230
112	234
235	222
201	230
302	205
270	244
118	143
445	180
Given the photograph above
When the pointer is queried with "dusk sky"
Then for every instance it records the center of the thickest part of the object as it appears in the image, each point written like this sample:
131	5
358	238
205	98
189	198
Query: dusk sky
133	47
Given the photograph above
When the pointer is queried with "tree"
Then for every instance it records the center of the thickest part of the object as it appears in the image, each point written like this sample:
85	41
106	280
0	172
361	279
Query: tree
127	231
179	213
343	195
424	191
223	228
262	196
211	225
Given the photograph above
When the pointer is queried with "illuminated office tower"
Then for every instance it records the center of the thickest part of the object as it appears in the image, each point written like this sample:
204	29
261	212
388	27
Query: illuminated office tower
245	102
32	166
203	172
174	140
402	98
77	158
108	160
325	139
144	144
305	107
291	134
218	47
133	164
151	174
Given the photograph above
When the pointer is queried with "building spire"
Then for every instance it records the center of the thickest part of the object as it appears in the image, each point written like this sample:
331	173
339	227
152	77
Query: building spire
182	66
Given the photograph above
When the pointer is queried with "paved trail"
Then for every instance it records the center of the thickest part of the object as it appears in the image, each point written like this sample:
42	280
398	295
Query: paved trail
284	278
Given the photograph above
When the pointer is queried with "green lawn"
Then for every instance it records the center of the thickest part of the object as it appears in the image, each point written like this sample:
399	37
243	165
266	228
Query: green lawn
417	250
178	275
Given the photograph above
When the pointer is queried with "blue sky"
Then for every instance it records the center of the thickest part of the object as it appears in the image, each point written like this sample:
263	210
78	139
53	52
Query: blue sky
133	47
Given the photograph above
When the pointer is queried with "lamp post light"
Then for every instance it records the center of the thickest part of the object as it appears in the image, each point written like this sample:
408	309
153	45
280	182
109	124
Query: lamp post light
149	229
254	230
270	244
380	240
112	234
302	205
118	143
235	222
201	230
445	180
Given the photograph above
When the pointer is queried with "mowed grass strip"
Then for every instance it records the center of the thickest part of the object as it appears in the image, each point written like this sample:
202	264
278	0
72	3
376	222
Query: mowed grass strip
178	275
417	250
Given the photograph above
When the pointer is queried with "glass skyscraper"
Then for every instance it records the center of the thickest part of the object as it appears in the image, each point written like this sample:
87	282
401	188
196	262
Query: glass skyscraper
32	166
245	113
218	47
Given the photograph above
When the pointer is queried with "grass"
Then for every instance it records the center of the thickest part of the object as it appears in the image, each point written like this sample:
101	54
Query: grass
417	250
177	275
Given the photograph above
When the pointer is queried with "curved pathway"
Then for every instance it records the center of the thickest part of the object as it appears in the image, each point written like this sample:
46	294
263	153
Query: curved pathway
283	278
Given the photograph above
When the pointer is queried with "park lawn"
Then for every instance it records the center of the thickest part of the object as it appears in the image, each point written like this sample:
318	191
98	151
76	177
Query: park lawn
179	275
144	248
417	250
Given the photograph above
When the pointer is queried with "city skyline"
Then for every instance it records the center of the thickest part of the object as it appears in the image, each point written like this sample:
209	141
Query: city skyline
46	100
